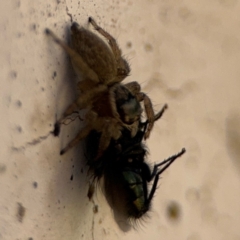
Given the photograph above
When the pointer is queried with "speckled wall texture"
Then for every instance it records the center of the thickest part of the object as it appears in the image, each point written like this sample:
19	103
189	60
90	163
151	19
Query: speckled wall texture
184	53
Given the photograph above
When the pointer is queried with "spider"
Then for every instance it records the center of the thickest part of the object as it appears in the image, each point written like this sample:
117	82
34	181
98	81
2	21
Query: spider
111	106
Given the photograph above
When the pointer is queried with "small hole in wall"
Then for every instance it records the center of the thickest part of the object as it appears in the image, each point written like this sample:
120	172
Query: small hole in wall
54	74
35	184
13	74
173	211
18	103
3	168
129	44
20	212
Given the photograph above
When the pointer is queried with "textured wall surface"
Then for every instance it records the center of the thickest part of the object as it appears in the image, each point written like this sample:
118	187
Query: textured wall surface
185	53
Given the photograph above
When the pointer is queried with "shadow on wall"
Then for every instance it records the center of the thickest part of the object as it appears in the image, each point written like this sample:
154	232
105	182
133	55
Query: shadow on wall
233	138
67	194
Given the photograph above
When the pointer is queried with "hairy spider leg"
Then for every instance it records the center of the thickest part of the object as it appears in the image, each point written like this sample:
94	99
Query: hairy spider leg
82	134
75	57
112	41
160	113
156	117
135	88
102	125
122	65
83	101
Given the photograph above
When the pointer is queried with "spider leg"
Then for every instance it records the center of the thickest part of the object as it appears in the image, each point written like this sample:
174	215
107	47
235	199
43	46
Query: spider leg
112	41
156	117
75	57
135	89
160	113
81	135
82	102
149	112
104	142
110	129
88	73
157	173
86	85
71	109
123	68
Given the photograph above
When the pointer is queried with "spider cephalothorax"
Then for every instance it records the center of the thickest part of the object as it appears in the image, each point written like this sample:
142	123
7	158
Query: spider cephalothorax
111	105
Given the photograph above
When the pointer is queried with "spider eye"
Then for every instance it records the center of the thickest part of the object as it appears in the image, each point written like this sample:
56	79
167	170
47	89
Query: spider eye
121	72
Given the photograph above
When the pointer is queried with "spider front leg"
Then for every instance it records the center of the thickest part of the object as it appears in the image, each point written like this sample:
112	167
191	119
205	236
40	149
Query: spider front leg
81	135
84	101
88	73
77	60
160	113
135	89
112	41
123	68
73	108
149	112
156	117
91	117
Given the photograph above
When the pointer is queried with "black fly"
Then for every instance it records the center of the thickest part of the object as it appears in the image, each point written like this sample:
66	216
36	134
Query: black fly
126	173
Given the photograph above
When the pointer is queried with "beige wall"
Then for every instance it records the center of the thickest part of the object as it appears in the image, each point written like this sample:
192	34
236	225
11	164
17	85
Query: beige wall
184	53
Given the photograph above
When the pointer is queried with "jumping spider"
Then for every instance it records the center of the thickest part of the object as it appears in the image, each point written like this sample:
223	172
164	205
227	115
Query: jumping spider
111	106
